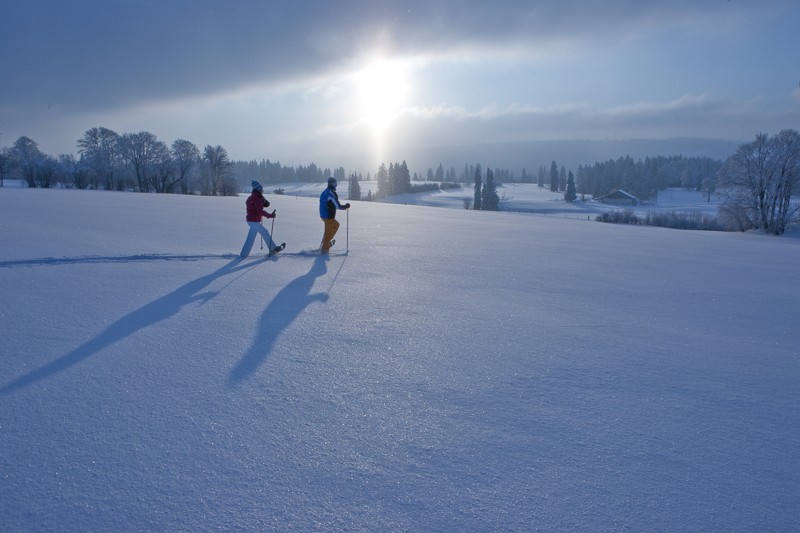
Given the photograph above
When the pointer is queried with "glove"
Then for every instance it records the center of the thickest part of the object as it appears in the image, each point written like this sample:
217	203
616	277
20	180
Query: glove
346	206
271	215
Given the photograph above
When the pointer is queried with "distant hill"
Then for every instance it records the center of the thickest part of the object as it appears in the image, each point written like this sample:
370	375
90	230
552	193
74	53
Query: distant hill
530	155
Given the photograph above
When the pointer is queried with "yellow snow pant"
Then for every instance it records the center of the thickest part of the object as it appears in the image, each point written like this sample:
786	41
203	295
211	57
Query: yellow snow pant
331	227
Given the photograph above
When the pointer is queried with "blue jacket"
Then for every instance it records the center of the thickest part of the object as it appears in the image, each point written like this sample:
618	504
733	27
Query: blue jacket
329	203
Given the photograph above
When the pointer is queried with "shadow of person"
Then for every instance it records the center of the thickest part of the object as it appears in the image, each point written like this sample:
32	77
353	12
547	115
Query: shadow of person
287	305
152	313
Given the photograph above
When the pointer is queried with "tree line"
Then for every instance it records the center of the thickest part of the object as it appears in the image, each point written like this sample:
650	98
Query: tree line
759	185
129	161
643	178
396	179
269	172
759	182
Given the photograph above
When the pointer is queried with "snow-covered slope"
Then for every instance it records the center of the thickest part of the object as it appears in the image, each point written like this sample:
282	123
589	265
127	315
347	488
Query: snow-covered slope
456	371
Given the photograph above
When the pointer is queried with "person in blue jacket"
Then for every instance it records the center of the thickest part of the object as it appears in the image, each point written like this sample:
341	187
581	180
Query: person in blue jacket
328	204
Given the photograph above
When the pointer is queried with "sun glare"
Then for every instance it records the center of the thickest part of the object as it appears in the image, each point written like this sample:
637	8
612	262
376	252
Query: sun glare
382	91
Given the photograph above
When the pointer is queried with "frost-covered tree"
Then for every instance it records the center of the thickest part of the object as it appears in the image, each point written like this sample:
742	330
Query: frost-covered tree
99	154
185	156
27	159
217	171
72	171
164	176
47	172
141	151
760	182
5	163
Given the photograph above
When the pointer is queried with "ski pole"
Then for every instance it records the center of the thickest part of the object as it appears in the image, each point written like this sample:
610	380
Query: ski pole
262	237
347	233
272	230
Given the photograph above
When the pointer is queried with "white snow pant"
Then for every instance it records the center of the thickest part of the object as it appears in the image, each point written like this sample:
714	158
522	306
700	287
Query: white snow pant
256	227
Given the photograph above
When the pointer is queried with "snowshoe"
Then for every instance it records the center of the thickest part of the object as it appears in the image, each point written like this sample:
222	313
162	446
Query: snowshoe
277	249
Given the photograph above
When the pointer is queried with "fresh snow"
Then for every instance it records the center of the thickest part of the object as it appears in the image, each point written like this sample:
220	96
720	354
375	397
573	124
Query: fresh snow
455	371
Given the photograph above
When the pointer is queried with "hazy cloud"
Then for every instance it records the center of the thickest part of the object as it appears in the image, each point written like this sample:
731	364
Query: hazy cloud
258	76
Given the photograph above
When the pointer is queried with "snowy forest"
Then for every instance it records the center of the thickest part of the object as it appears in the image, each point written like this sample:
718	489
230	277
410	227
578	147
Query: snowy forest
143	163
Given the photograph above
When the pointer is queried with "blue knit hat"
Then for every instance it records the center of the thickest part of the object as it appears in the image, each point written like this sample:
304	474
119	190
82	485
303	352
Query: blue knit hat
256	186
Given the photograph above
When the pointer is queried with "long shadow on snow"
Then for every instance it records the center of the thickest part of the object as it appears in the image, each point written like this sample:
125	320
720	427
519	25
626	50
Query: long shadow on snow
152	313
287	305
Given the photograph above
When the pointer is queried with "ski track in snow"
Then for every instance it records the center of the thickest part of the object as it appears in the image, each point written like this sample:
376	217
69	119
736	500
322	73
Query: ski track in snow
455	371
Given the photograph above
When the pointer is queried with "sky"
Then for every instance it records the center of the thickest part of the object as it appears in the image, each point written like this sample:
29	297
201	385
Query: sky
375	81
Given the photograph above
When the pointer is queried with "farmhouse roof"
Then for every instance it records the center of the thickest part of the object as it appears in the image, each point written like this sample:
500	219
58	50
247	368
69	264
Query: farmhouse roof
619	193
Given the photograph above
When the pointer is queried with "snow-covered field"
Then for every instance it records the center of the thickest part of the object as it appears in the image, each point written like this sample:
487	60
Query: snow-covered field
455	371
526	198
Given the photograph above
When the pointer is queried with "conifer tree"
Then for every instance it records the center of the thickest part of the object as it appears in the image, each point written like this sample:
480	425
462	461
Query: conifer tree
491	201
403	178
554	177
477	203
392	180
383	187
570	195
354	190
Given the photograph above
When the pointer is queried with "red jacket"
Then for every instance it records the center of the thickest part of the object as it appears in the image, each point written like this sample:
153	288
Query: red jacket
255	207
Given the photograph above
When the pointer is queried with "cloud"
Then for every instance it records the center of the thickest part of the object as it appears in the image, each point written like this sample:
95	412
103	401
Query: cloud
703	115
266	78
102	53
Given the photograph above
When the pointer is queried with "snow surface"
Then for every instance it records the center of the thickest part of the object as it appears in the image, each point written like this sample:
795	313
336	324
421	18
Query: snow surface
456	371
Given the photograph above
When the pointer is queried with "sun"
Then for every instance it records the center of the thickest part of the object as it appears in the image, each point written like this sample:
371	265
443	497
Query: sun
382	91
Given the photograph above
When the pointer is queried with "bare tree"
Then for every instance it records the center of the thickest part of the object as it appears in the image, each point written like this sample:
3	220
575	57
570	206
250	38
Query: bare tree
27	157
758	183
99	153
5	163
787	161
218	166
163	171
47	171
141	151
185	156
72	172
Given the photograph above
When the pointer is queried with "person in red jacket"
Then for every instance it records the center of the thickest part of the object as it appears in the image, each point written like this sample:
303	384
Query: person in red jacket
255	211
